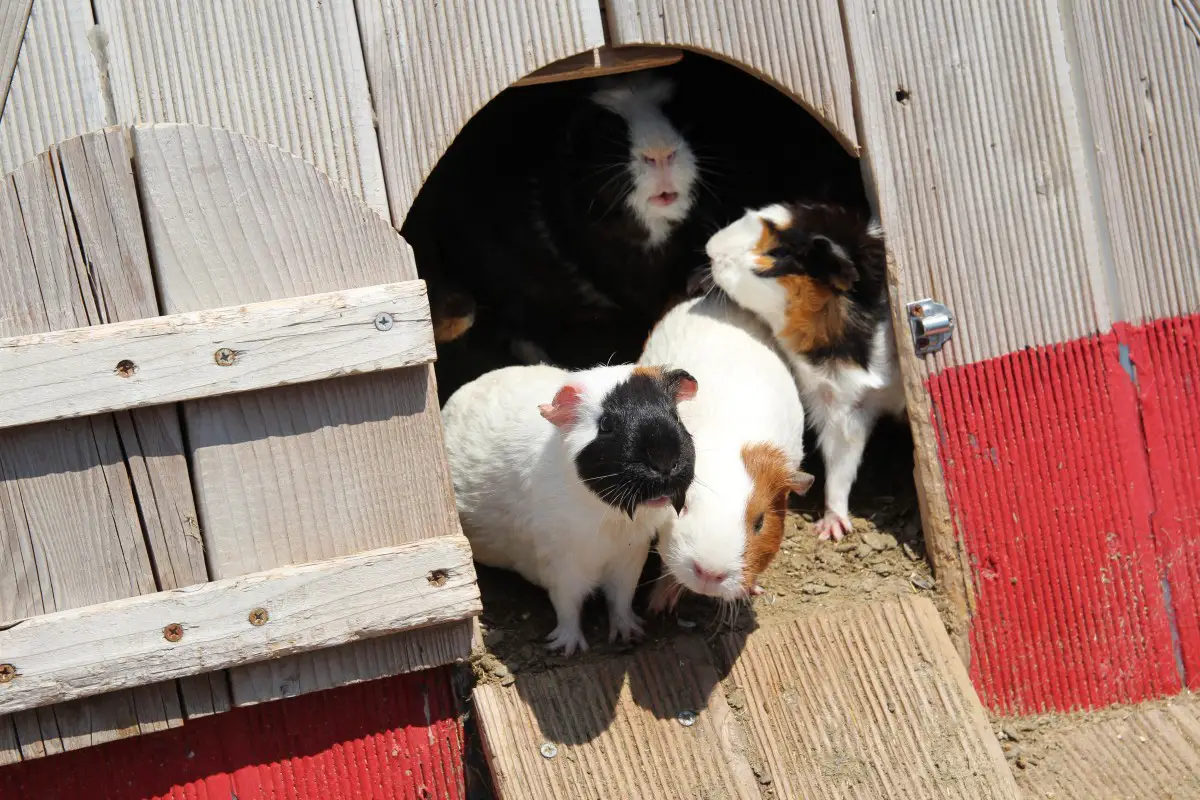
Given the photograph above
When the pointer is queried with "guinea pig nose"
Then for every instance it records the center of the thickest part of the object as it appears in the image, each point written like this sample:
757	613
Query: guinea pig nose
659	156
708	575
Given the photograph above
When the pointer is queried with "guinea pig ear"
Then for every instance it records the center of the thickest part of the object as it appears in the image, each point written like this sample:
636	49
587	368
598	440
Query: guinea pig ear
563	410
800	482
841	271
681	384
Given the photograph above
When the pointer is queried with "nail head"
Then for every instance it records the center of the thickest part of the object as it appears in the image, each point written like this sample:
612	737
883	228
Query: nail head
548	750
259	616
126	368
383	321
686	718
224	357
7	673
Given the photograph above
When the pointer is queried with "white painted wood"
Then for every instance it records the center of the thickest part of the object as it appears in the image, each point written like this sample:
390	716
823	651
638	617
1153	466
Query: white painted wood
1138	65
433	65
288	72
13	17
55	89
797	45
974	145
127	365
308	472
123	644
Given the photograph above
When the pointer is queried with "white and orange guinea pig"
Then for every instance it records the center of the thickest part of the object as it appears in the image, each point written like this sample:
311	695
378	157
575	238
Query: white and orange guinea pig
565	477
748	430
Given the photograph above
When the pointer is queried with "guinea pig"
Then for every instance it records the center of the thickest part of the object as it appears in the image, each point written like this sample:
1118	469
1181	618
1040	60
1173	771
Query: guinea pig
748	428
565	477
816	275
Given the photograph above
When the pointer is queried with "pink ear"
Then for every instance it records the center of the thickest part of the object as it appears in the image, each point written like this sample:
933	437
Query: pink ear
683	383
801	482
562	410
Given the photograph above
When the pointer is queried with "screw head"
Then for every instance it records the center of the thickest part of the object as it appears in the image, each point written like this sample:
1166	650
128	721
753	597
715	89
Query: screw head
548	750
173	632
224	357
686	718
125	368
7	673
437	577
383	321
259	617
917	310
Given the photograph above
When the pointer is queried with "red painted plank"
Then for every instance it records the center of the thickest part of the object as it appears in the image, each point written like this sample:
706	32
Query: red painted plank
393	738
1047	474
1166	355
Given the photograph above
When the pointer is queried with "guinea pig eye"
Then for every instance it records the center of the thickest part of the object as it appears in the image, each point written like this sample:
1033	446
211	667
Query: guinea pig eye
605	423
647	160
758	523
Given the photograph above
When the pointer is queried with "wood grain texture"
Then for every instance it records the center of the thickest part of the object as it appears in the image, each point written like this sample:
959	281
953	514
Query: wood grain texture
70	533
125	365
433	65
614	725
867	702
123	644
290	73
603	61
1139	65
13	17
1126	754
799	47
308	472
54	93
974	145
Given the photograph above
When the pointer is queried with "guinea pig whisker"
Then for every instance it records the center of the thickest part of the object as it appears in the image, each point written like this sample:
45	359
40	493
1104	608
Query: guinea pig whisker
601	477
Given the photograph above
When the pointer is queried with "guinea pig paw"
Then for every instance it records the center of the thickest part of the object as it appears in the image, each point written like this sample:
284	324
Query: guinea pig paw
626	627
832	526
569	640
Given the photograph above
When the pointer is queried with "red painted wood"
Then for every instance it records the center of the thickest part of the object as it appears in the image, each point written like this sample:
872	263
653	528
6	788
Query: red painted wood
393	738
1048	477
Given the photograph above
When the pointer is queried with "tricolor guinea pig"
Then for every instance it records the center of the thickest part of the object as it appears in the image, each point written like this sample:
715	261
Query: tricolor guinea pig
565	477
748	429
816	275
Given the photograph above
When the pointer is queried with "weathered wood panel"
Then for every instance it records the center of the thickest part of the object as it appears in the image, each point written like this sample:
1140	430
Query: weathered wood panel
55	89
974	145
866	702
1139	65
797	46
290	73
200	354
69	521
232	220
13	17
130	643
433	65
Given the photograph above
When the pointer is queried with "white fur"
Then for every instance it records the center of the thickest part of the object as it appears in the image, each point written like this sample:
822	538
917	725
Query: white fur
843	401
638	100
747	395
523	505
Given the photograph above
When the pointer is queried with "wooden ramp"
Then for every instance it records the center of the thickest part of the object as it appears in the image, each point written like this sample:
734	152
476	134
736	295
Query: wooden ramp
868	702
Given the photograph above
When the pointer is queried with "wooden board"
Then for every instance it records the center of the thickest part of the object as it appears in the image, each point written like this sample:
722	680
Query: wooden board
231	220
433	65
70	533
978	161
1139	71
55	92
1129	754
799	47
13	18
130	643
615	729
199	354
870	701
603	61
290	73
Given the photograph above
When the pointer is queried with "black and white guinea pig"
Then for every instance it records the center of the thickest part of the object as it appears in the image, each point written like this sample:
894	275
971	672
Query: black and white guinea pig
565	477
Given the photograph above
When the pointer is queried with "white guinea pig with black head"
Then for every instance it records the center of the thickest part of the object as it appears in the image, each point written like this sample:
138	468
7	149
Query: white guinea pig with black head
748	429
565	477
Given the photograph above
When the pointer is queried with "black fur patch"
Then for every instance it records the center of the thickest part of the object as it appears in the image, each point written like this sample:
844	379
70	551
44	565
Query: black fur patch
645	453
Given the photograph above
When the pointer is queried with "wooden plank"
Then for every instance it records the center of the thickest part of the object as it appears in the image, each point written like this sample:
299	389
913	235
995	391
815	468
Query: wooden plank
70	533
290	73
464	53
199	354
977	157
615	730
13	18
55	92
128	643
1138	69
1122	754
799	47
232	220
603	61
871	701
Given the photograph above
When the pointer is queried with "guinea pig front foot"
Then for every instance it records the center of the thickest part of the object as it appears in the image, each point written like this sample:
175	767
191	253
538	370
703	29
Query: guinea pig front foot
665	596
833	526
626	627
569	639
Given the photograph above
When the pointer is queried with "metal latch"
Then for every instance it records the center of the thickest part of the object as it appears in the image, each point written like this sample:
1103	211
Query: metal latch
932	325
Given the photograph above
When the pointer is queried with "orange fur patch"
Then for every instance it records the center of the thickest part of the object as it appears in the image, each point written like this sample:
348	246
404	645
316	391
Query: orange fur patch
816	317
654	373
766	241
447	329
770	474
